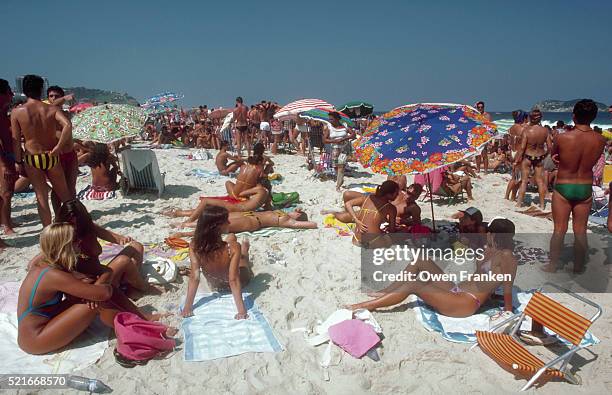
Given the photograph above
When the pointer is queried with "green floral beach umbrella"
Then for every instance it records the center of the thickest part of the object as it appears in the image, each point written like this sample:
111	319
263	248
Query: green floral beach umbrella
108	123
356	109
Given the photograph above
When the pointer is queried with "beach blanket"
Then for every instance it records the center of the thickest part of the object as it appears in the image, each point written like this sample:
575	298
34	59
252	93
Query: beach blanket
341	228
81	353
212	332
463	330
24	195
151	252
267	232
91	193
207	174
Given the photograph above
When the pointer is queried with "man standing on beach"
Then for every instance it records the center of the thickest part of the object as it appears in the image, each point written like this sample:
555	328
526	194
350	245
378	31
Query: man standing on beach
68	157
576	152
38	123
483	157
516	139
241	123
8	174
534	147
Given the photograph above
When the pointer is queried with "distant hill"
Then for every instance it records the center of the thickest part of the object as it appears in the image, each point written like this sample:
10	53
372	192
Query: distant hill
100	96
563	106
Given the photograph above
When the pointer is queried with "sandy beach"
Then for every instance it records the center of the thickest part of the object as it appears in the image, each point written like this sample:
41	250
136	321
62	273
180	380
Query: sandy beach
321	274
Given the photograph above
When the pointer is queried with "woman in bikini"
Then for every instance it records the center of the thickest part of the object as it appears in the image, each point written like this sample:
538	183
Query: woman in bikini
125	265
375	210
249	175
104	168
225	264
56	304
463	299
250	221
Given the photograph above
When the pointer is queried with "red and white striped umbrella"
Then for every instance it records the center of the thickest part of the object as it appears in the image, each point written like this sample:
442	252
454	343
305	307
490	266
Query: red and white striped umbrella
292	109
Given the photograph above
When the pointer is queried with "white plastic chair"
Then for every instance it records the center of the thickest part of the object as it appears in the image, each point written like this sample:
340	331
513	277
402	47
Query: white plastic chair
141	169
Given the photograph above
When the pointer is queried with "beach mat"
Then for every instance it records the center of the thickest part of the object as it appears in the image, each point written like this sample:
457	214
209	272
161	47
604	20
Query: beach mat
213	332
207	174
341	228
81	353
151	251
267	232
463	330
89	193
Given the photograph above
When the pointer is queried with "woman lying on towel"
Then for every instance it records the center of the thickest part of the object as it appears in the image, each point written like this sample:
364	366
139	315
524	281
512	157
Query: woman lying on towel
375	210
465	298
248	200
56	304
125	266
250	221
225	264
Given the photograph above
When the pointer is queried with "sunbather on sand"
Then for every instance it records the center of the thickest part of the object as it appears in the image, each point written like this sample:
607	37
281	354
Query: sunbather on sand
225	264
125	266
47	320
375	210
248	200
104	168
223	157
249	176
463	299
250	221
453	184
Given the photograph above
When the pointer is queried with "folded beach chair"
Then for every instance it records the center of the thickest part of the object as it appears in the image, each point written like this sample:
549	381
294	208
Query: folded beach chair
509	353
142	171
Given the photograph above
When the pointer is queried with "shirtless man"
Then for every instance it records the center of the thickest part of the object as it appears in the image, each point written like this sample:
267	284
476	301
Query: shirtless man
254	116
68	157
516	137
480	106
534	147
242	126
576	152
37	122
8	174
221	160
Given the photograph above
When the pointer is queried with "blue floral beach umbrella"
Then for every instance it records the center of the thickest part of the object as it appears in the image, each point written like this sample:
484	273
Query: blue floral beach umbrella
162	98
419	138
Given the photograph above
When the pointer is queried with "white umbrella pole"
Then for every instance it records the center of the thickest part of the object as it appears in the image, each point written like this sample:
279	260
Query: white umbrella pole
433	219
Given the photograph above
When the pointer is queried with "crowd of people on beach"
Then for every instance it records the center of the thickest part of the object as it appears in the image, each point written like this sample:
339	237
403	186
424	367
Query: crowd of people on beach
66	286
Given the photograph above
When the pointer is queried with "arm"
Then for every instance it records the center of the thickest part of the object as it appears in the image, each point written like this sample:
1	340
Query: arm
250	191
192	286
554	152
521	150
66	135
111	237
508	266
234	280
326	139
68	284
391	218
357	202
16	133
60	102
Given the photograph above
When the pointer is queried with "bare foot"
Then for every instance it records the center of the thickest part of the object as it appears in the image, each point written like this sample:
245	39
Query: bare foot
169	213
157	316
8	230
170	332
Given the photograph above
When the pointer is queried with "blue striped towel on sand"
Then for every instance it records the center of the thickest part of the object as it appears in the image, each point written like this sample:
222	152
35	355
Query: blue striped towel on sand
203	173
463	330
212	332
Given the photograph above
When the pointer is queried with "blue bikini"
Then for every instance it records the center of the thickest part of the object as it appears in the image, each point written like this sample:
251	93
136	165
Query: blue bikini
34	310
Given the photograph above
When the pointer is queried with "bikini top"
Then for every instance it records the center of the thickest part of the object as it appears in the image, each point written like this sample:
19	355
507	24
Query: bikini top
372	210
34	309
335	133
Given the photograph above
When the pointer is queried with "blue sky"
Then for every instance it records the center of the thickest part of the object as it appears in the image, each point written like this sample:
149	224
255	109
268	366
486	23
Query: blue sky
509	54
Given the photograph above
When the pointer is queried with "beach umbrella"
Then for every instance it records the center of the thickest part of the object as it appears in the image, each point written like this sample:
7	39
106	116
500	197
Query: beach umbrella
108	123
419	138
77	108
220	113
356	109
165	97
319	114
291	110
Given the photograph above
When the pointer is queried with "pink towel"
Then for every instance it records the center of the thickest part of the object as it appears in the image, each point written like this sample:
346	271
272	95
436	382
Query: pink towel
354	336
138	339
436	177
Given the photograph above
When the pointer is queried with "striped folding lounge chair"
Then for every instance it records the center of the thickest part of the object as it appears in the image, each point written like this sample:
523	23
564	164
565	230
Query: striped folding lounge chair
142	171
509	353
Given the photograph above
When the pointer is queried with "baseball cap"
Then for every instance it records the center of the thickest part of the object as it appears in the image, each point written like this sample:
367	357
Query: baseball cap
473	213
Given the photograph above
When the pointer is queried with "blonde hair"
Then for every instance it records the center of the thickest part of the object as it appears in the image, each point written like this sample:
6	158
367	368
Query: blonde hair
56	246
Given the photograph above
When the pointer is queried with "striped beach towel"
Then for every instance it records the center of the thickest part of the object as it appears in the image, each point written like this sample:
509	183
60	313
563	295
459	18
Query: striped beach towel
91	193
267	232
213	332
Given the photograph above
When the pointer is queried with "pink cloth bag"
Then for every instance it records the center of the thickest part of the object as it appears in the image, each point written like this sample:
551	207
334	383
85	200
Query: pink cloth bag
354	336
138	339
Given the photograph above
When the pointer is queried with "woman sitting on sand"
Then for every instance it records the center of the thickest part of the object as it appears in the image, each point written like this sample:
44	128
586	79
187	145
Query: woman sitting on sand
104	168
250	174
56	304
125	265
222	158
251	221
375	210
463	299
225	264
453	184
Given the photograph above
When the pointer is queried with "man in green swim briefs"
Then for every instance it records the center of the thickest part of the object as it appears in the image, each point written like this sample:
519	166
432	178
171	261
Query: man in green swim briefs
576	152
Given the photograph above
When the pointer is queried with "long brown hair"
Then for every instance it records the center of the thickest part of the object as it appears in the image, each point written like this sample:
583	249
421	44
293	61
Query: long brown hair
207	236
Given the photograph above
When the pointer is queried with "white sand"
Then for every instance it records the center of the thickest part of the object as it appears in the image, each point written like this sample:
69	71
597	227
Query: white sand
322	274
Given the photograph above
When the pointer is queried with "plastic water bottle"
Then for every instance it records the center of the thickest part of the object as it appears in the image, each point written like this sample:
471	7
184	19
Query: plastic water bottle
89	385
